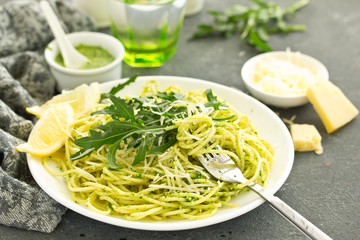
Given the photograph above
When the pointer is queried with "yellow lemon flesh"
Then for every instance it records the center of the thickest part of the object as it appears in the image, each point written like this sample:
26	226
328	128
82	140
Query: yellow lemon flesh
50	132
82	99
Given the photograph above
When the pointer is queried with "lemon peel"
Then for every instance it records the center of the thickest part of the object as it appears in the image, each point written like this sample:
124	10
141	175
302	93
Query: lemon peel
50	132
82	99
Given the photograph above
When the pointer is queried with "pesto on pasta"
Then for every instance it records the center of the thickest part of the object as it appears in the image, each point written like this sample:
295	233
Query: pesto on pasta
164	184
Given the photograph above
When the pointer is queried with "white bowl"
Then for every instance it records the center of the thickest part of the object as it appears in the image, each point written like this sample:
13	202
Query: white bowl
273	99
193	7
70	78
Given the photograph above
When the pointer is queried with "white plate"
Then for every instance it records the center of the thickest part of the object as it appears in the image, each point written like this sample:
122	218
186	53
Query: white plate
268	124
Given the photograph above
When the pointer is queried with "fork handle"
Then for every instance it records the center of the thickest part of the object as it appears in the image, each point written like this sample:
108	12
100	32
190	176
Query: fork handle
302	223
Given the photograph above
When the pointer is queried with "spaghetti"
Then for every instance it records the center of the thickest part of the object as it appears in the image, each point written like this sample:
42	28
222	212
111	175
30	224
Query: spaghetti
172	184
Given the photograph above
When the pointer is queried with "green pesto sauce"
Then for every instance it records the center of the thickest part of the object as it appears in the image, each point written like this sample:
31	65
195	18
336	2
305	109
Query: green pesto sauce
98	57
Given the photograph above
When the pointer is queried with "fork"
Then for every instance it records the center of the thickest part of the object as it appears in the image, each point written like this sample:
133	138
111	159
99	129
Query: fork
222	167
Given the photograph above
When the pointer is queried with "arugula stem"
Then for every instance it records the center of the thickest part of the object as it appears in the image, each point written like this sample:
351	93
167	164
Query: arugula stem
287	29
296	6
254	23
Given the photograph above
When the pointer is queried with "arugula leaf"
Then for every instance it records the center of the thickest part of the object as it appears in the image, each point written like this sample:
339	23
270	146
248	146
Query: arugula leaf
111	155
212	101
223	118
143	149
254	39
162	148
122	109
106	134
134	143
295	6
172	96
82	153
140	122
254	23
119	87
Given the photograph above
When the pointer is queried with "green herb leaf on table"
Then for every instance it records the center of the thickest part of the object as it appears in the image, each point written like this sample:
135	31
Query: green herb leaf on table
255	23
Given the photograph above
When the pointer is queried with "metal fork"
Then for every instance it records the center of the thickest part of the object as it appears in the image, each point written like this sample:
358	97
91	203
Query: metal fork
222	167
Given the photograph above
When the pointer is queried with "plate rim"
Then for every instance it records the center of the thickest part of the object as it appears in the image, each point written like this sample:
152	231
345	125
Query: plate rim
170	225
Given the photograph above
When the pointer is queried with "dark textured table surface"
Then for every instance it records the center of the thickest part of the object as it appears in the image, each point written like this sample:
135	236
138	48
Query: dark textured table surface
323	188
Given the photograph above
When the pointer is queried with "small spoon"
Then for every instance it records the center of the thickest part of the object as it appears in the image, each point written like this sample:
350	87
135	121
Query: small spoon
72	58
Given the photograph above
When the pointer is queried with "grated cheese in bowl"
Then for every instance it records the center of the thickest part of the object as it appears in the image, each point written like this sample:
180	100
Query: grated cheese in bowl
287	76
281	78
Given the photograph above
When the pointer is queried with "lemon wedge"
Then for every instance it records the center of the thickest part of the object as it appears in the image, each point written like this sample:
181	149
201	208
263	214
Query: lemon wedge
82	99
50	132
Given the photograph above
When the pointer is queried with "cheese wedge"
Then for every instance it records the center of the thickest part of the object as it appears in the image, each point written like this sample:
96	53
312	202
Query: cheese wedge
306	138
330	103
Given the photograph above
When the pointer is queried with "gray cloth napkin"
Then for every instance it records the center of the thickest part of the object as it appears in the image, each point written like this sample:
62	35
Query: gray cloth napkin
25	81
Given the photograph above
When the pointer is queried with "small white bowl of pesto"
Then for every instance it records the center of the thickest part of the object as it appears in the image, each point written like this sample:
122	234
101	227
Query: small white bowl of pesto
105	54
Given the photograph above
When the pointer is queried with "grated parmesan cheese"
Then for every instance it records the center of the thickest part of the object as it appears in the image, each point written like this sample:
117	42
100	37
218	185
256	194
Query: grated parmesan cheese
284	77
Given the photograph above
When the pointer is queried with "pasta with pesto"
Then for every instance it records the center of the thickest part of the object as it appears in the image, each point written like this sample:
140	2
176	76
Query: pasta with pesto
171	184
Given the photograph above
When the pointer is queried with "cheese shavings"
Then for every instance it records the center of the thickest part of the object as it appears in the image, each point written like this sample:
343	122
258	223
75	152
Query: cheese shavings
283	76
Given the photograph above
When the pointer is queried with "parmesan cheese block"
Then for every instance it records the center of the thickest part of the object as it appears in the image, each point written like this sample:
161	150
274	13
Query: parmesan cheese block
333	107
306	138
